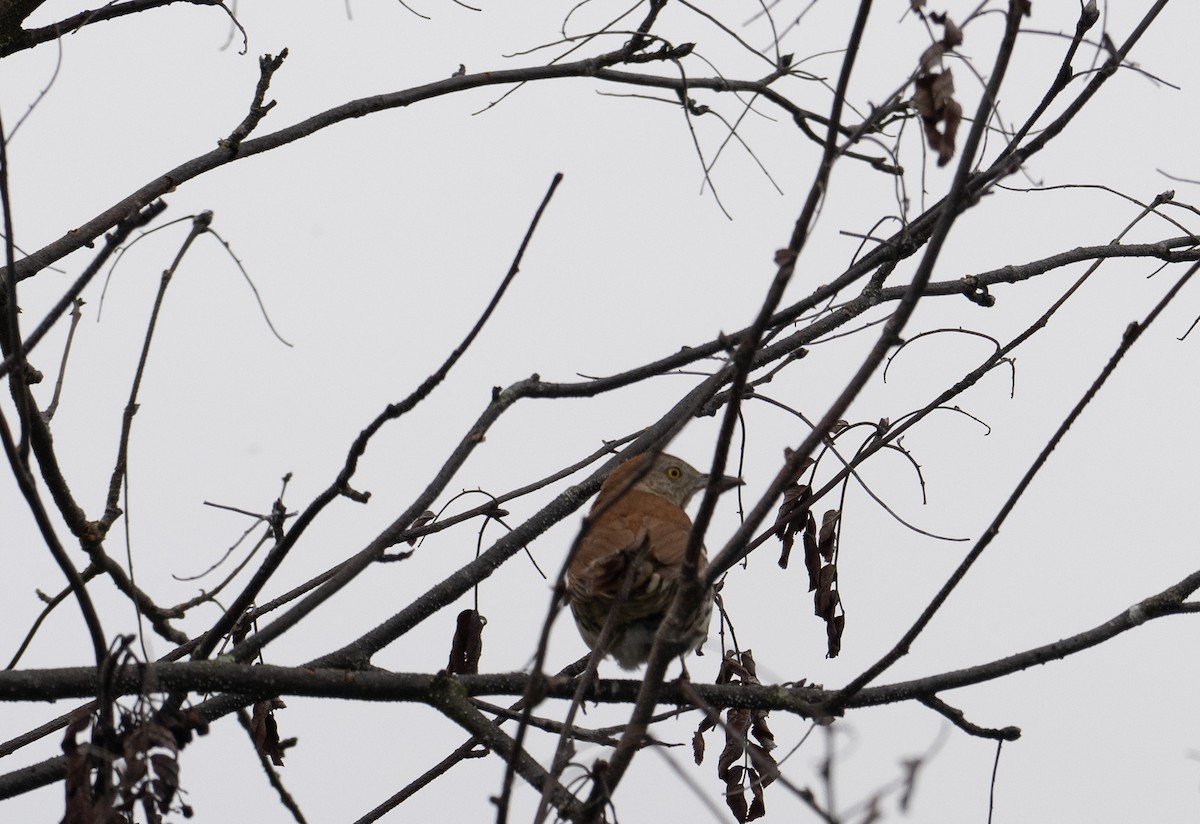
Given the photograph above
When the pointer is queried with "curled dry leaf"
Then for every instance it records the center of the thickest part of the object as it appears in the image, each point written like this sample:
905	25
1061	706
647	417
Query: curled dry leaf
735	795
951	34
80	807
812	555
826	540
742	724
940	112
150	775
820	551
243	625
792	516
933	96
265	731
758	807
833	635
467	646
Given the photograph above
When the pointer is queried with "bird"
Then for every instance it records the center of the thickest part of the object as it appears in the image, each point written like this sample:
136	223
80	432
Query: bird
644	521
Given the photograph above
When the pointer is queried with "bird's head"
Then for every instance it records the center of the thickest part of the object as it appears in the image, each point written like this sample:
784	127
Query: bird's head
668	476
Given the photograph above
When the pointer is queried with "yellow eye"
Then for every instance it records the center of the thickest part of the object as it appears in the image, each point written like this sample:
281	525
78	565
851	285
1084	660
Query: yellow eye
674	473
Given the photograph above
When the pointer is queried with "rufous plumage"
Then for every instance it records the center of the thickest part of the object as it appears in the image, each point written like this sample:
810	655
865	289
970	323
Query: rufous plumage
648	522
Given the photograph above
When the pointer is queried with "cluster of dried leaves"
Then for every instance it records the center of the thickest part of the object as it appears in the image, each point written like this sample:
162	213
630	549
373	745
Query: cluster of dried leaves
933	96
820	556
136	766
934	93
758	767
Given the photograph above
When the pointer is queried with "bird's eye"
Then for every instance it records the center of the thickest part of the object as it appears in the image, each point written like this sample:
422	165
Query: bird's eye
674	473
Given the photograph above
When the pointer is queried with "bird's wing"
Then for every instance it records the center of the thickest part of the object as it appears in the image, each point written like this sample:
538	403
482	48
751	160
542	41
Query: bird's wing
617	537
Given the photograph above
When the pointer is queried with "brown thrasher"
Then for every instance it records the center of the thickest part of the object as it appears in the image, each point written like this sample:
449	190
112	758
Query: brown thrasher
643	522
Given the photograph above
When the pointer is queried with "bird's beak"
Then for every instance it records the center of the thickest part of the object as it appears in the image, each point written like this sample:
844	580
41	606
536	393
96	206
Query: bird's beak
728	482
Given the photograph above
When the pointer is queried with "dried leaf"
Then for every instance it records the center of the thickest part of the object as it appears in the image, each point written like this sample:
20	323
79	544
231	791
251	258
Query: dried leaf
791	518
931	58
78	786
939	111
761	732
150	776
735	800
698	747
812	558
951	34
824	603
758	807
467	646
265	732
828	534
740	667
833	635
737	724
243	625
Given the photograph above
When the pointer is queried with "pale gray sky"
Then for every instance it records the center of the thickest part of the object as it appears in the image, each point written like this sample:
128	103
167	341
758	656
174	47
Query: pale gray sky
375	244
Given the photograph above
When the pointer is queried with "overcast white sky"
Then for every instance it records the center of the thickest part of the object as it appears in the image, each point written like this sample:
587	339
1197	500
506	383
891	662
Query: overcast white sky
377	242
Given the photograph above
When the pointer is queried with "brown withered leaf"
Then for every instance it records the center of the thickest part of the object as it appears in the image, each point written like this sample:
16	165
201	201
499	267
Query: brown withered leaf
939	111
823	582
243	625
80	807
791	518
951	34
824	602
150	776
737	726
833	635
758	807
737	667
707	723
828	576
740	724
735	795
827	538
467	646
265	731
931	58
745	668
761	732
812	556
165	784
